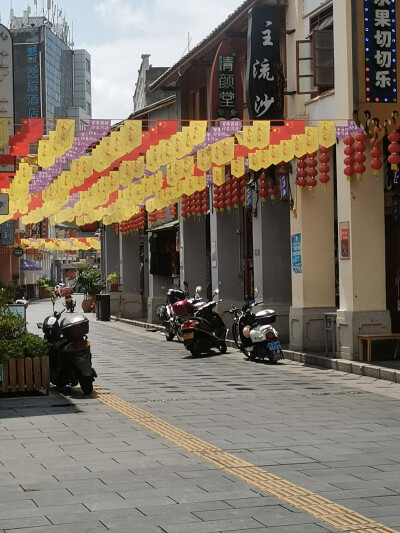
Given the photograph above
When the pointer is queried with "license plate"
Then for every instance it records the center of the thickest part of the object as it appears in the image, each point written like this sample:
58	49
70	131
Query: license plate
187	336
274	346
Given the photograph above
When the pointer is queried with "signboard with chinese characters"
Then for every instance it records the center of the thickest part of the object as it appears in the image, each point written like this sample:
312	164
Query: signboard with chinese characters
344	240
6	87
7	233
27	81
226	96
264	74
377	54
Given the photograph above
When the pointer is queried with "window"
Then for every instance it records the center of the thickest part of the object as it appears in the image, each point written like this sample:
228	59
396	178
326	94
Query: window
314	56
88	88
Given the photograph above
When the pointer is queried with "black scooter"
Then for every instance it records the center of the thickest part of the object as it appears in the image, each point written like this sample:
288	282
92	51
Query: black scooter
70	355
203	328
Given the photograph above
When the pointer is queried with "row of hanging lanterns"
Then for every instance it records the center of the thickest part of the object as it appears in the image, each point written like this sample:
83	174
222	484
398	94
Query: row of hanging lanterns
195	204
135	223
307	169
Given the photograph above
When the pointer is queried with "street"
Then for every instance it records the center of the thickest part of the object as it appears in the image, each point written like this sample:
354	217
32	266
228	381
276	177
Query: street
171	443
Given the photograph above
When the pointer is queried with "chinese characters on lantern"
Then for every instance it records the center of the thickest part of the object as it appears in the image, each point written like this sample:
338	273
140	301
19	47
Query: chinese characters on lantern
380	51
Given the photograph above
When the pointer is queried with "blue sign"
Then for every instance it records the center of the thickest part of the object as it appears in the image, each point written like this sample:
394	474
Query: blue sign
296	254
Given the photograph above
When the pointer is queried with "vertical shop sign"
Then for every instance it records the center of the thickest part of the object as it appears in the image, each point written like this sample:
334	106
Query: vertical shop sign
7	233
296	253
226	97
380	51
344	240
378	82
6	90
264	74
33	81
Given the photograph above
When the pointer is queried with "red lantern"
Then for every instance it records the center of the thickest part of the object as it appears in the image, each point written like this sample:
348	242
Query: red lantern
349	159
324	168
263	192
394	149
301	172
235	193
311	171
360	158
272	192
376	157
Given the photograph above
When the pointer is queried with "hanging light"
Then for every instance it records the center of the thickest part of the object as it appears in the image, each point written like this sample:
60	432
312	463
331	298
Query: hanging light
394	149
359	158
262	186
311	171
349	159
301	172
376	156
324	168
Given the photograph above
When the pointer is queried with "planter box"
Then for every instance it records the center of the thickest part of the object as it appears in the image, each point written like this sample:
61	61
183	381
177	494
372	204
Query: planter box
26	375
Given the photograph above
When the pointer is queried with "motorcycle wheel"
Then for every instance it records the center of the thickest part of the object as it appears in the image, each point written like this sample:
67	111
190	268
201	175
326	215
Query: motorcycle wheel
195	350
169	334
86	385
274	358
235	334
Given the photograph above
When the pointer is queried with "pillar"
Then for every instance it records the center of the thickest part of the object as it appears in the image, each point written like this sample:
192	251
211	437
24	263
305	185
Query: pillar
313	266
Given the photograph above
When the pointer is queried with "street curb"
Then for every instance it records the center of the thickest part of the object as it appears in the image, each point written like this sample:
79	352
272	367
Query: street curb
321	361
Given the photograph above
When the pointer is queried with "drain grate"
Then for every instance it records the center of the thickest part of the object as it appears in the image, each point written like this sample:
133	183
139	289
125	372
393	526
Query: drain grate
324	510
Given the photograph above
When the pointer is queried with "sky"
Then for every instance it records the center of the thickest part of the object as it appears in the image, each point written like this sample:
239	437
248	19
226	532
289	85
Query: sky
117	32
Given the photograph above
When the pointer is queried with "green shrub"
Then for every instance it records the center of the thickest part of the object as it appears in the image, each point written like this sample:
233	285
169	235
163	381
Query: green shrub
12	326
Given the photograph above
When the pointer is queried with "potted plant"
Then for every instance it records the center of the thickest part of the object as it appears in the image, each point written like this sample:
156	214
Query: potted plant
113	280
24	361
88	281
44	288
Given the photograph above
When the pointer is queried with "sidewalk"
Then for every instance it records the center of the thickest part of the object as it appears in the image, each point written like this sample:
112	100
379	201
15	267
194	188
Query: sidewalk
386	369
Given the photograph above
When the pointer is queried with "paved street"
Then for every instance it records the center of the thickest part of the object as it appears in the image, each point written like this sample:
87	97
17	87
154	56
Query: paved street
214	444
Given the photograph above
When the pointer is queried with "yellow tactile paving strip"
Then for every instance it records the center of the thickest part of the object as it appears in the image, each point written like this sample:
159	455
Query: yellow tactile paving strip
341	518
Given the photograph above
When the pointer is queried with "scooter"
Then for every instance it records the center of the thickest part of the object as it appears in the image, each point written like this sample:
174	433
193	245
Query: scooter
70	356
203	328
254	334
69	302
166	314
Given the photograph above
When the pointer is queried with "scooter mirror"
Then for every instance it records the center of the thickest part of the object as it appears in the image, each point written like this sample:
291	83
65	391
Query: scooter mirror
198	288
216	291
40	325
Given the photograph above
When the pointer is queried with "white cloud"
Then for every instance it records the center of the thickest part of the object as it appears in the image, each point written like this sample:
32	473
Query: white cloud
159	28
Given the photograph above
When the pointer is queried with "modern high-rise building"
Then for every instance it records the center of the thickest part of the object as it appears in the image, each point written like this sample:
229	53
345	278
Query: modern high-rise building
51	80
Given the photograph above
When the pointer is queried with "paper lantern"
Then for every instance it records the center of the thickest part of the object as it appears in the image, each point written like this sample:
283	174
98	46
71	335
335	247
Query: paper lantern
311	171
324	168
301	172
349	159
376	157
263	187
359	158
394	149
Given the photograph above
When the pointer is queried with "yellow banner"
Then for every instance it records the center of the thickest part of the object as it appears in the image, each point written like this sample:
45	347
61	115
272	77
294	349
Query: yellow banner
237	167
311	133
204	159
218	174
327	133
222	152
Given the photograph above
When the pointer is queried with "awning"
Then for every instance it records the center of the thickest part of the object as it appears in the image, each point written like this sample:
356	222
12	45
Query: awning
174	224
26	264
